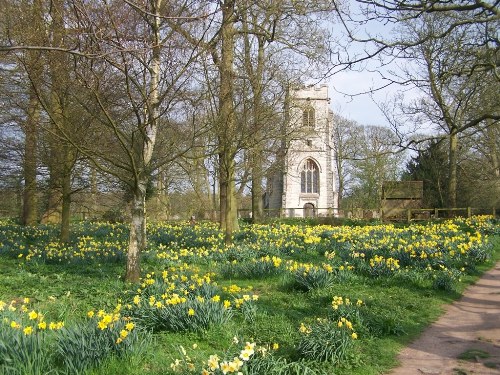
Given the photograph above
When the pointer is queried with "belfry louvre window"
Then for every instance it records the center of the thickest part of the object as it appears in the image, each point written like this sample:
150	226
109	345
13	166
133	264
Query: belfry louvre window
309	177
308	117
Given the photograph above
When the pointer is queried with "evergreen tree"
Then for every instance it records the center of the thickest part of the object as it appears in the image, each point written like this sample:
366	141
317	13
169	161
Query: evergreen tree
430	166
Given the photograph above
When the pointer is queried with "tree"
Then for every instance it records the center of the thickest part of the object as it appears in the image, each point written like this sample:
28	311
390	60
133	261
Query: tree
126	83
429	166
369	23
378	160
347	138
33	63
147	62
453	104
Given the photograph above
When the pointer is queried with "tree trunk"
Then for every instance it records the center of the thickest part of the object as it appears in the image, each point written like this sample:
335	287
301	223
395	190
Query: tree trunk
66	204
61	153
30	200
257	190
52	214
93	191
222	193
492	133
452	170
227	131
231	213
34	66
137	238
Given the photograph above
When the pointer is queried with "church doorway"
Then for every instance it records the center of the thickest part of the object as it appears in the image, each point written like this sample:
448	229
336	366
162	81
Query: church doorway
309	210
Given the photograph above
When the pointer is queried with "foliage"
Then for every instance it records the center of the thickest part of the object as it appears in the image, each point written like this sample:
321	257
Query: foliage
429	166
326	340
310	278
24	354
86	344
446	280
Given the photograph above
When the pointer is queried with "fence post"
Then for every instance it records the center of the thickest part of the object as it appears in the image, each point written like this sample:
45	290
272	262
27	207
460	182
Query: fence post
469	212
409	214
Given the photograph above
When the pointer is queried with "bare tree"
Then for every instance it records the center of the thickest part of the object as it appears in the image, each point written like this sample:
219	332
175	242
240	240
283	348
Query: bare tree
372	25
453	104
347	141
378	160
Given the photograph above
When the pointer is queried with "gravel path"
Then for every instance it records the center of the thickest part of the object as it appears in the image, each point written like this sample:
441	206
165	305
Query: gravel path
470	325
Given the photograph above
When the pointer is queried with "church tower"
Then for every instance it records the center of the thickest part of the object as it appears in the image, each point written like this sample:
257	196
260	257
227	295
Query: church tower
307	184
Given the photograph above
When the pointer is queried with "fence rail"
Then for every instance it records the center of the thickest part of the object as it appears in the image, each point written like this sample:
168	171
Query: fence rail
403	214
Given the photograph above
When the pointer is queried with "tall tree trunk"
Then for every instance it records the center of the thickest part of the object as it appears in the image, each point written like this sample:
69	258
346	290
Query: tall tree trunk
137	238
255	72
53	212
61	153
66	205
257	190
93	191
227	130
257	152
452	170
34	67
492	134
222	192
30	200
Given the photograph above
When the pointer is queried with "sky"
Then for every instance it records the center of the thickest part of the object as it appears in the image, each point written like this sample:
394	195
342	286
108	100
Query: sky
360	108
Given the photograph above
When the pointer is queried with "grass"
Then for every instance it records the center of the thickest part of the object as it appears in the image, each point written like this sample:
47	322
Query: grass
395	310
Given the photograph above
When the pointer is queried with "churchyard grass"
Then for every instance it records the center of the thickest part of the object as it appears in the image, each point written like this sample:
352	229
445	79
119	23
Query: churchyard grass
284	299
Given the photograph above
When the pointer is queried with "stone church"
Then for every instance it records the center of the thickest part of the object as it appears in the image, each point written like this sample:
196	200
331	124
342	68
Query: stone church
304	181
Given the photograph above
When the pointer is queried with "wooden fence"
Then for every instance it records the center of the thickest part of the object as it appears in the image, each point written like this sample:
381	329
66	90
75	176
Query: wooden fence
404	214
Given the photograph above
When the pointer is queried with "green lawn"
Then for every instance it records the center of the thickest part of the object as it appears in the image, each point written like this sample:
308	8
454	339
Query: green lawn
266	300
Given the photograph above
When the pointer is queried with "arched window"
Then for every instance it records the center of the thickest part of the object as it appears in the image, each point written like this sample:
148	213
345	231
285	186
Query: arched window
308	117
309	177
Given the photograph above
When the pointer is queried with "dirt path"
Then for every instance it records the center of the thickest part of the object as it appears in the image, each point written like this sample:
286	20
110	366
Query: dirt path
471	325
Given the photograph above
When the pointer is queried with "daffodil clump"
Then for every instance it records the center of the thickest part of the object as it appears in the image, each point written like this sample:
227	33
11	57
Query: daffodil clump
446	279
308	276
181	299
353	310
19	316
108	242
332	339
380	266
85	344
32	344
25	338
254	267
327	340
237	359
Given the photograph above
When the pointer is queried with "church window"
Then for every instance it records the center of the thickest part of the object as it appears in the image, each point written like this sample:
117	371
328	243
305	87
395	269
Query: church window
309	177
308	117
